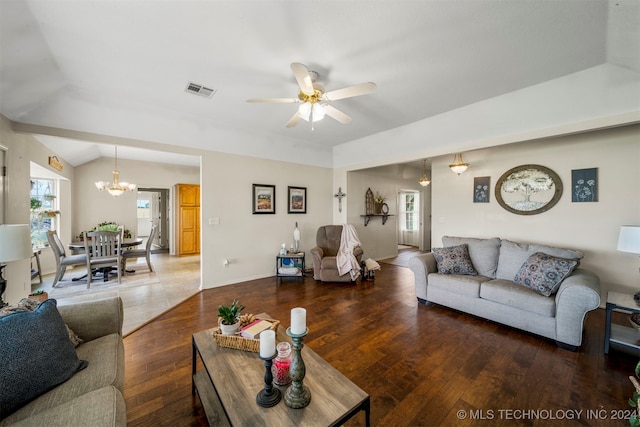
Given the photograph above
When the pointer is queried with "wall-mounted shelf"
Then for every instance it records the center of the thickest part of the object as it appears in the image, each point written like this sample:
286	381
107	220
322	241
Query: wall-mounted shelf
367	218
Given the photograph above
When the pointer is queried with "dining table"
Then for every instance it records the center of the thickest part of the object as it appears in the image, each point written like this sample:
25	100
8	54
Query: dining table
127	242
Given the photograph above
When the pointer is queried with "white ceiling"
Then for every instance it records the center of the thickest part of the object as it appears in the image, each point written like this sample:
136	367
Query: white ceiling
120	68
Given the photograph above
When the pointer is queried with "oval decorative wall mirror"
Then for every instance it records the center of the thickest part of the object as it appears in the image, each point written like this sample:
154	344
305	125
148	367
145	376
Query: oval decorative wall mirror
528	189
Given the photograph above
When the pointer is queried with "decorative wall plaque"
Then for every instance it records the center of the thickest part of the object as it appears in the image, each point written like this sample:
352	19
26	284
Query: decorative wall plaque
528	189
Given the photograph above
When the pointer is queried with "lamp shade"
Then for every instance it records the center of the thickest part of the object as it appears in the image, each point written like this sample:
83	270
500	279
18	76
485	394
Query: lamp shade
15	242
629	239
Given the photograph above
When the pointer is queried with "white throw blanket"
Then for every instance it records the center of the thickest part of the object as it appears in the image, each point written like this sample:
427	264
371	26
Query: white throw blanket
345	259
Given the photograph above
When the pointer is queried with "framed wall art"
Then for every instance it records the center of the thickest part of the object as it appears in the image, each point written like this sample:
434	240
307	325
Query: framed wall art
584	185
528	189
481	189
264	199
297	200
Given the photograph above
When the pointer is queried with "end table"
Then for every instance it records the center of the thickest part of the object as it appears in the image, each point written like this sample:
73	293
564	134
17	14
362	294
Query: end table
290	265
624	336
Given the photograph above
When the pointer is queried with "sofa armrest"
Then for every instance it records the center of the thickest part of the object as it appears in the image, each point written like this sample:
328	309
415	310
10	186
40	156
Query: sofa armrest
316	256
94	319
578	294
422	265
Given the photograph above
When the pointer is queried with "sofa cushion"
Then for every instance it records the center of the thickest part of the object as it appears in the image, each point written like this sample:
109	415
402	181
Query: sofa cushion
457	283
513	255
102	407
29	339
508	293
454	260
329	263
105	368
544	273
483	252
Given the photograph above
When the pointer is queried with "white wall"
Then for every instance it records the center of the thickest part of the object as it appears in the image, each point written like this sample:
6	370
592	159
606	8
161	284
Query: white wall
589	227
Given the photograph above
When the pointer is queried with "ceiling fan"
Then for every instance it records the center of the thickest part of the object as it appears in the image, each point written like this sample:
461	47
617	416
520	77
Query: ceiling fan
314	101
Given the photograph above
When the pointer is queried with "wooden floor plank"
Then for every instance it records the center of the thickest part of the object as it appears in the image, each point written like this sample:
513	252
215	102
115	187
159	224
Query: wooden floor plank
421	364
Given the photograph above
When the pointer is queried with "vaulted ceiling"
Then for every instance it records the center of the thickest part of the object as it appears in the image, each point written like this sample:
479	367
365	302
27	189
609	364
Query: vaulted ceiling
120	68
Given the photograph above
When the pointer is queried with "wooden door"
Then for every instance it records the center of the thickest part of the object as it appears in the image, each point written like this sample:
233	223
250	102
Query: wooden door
188	232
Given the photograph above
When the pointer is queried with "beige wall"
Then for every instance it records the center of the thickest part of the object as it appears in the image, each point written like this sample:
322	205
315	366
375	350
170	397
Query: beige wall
589	227
92	207
21	149
251	242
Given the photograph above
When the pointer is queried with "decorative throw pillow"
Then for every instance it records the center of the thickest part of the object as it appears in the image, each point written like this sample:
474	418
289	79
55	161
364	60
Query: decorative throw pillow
454	260
37	355
27	304
544	273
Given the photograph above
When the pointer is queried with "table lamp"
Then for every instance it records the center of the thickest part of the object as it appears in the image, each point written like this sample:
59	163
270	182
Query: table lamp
15	244
629	241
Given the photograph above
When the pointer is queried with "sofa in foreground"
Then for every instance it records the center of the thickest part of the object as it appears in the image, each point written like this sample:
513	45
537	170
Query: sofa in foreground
532	287
35	390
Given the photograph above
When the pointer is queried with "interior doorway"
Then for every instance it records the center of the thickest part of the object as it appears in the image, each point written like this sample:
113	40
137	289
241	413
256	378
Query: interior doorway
153	210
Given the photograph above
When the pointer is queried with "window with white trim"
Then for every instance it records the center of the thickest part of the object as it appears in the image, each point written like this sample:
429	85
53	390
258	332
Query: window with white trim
44	209
409	211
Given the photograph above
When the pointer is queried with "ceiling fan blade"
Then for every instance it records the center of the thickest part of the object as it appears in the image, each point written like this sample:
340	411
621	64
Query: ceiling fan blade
273	100
294	120
301	73
337	114
351	91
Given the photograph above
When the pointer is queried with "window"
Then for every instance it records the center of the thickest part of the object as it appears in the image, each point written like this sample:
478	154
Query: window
144	208
409	211
44	209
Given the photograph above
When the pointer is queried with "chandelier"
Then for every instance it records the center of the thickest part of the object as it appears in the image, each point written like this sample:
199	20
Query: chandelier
424	181
116	187
458	165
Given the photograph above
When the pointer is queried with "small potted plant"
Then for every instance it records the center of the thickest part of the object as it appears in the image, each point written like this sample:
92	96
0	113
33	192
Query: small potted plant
230	317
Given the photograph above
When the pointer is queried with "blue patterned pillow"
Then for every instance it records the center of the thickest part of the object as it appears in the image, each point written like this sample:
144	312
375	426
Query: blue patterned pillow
36	355
544	273
454	260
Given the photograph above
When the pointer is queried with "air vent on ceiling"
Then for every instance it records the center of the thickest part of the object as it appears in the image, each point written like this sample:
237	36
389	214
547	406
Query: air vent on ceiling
199	90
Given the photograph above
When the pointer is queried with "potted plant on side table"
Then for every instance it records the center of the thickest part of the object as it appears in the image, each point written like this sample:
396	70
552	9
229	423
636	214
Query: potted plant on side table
229	317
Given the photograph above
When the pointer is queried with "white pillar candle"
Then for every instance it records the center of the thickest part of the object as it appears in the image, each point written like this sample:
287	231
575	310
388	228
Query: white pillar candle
267	343
298	320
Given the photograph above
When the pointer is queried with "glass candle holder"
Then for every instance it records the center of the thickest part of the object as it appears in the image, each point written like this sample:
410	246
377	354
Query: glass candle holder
281	364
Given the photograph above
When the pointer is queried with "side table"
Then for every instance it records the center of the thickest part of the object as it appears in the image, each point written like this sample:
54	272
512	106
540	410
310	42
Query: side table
624	336
290	265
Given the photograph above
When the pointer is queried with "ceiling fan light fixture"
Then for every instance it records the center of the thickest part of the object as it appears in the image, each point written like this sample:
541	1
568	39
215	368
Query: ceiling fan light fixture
458	166
314	111
424	181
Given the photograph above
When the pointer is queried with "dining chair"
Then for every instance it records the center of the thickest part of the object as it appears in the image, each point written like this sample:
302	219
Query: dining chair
103	252
62	259
138	253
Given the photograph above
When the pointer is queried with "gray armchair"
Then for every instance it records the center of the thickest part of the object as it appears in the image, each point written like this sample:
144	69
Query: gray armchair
62	260
325	267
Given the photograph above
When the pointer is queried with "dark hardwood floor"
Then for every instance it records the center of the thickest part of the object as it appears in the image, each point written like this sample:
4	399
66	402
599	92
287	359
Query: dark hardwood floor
421	365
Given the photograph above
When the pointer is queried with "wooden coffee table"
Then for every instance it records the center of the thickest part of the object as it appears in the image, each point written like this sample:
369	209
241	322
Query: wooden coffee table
231	379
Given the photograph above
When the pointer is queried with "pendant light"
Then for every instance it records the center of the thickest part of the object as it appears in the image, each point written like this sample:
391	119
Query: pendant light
116	187
458	165
424	181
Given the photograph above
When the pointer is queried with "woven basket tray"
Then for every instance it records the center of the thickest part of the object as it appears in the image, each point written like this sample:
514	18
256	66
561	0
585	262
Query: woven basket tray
239	342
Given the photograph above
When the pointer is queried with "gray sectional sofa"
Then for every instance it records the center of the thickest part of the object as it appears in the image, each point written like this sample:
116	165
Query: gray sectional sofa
93	394
486	287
